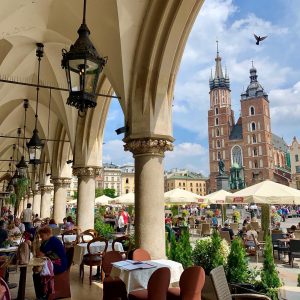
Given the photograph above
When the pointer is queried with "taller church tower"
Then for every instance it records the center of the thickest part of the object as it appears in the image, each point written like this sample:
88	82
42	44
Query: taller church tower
220	121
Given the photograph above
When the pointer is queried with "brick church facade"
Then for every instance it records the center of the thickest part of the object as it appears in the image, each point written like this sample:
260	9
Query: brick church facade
247	143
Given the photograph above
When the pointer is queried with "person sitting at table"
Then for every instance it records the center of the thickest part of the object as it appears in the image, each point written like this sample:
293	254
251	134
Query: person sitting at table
20	225
12	229
69	224
242	232
250	233
291	231
226	228
52	224
64	224
277	226
214	221
52	248
246	221
3	233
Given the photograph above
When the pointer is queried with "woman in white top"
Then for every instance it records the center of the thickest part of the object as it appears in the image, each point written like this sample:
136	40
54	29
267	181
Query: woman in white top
121	223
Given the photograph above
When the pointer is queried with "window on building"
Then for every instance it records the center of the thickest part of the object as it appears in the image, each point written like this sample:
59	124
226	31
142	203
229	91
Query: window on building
217	121
127	191
191	190
253	126
237	155
217	110
252	111
217	132
113	179
298	169
218	144
296	157
254	139
183	184
196	184
106	178
106	185
255	153
127	180
197	190
191	184
219	155
255	164
298	185
179	184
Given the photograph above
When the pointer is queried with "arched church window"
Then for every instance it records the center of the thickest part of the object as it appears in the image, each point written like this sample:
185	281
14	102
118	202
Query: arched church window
217	132
255	164
255	153
253	126
216	110
254	141
217	121
237	155
218	144
252	111
219	155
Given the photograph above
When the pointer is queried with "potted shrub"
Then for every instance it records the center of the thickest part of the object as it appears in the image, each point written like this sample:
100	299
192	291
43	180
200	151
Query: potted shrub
209	253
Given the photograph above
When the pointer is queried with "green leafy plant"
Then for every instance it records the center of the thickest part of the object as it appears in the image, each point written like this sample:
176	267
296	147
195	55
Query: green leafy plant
21	188
237	269
103	229
269	275
237	216
181	251
7	243
11	200
174	210
265	218
209	213
210	252
298	279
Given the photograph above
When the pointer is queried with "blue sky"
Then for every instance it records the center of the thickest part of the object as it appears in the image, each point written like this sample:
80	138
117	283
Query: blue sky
233	23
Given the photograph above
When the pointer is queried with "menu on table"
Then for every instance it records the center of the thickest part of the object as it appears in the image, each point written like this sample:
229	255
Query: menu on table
130	265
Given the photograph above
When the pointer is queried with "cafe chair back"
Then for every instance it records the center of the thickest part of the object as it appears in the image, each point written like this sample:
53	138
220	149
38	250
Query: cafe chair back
141	254
126	243
4	290
294	251
190	285
157	286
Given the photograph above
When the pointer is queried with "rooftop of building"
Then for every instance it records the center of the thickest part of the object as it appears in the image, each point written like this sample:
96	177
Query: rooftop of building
279	143
184	174
237	131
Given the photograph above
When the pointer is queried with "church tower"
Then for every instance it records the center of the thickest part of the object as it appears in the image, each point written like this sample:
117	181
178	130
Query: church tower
220	121
257	136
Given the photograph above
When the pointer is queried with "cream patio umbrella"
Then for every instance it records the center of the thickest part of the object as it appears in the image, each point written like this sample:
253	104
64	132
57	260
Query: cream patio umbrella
102	200
266	192
126	199
217	197
180	197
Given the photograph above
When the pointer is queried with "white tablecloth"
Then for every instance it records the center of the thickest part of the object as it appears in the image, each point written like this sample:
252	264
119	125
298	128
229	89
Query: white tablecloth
72	237
9	249
138	279
81	249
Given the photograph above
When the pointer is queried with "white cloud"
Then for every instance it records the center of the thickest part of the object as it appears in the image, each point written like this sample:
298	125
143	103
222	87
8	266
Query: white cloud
113	151
192	156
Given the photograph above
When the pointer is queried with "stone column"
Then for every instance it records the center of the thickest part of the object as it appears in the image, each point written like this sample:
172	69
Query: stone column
86	195
46	201
60	197
21	205
30	197
36	206
25	203
149	193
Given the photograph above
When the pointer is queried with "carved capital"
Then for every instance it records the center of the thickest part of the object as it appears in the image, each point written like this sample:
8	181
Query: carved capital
61	182
36	192
87	171
148	146
46	188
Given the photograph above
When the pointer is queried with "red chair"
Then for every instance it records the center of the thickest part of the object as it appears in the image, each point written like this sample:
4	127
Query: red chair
4	290
157	286
113	287
141	254
62	280
190	285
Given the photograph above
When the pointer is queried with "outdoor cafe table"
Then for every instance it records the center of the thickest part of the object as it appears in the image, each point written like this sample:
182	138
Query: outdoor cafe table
70	238
81	249
138	279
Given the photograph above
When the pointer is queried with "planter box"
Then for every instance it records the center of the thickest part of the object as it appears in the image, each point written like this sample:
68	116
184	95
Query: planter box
208	291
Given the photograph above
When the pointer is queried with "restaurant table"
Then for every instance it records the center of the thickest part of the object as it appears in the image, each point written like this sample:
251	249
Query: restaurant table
9	249
72	238
138	279
81	249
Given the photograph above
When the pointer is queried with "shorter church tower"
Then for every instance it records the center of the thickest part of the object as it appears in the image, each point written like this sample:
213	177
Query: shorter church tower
220	121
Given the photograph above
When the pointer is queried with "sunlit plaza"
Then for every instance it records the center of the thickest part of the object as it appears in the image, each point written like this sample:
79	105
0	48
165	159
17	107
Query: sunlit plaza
147	150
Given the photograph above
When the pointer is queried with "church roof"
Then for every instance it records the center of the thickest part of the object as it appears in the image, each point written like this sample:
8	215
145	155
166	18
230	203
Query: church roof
254	89
279	143
237	131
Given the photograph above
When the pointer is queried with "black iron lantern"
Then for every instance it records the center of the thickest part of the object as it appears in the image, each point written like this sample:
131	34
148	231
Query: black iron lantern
15	178
35	147
22	167
83	66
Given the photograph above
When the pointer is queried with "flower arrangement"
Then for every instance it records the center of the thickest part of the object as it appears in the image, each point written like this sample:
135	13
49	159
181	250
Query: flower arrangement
237	216
209	213
7	243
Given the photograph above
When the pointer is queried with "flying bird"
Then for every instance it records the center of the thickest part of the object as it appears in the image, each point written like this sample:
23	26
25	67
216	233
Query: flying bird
259	39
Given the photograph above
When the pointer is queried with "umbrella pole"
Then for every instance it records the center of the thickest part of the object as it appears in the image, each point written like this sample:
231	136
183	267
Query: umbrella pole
265	219
223	210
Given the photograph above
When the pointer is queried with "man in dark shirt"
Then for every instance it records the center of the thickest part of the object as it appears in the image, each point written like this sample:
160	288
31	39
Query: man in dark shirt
3	234
226	228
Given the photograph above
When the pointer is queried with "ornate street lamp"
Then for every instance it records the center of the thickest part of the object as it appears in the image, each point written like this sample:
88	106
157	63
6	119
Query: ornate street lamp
22	165
83	66
35	145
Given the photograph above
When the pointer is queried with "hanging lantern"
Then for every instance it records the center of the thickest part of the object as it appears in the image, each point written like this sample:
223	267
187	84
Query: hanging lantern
15	178
22	167
35	147
83	66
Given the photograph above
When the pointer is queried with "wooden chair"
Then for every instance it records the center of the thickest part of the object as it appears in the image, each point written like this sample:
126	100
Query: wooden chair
206	229
62	280
225	236
113	287
261	236
68	244
222	290
85	237
259	247
199	230
141	254
190	285
92	259
157	286
235	228
277	231
126	243
92	232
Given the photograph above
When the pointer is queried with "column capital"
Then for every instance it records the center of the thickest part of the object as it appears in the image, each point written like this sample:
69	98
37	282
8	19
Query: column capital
61	181
46	188
155	146
87	171
36	192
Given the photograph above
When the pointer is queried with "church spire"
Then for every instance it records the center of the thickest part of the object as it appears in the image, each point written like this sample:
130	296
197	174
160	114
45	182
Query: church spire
219	80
